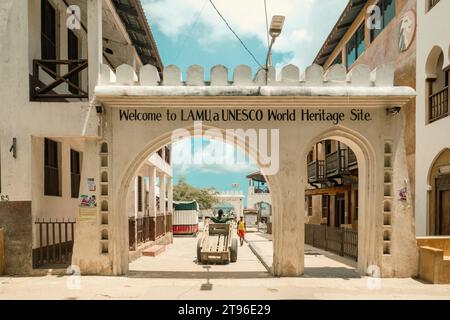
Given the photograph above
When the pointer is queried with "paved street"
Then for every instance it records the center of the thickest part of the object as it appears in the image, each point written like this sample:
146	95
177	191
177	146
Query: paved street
174	275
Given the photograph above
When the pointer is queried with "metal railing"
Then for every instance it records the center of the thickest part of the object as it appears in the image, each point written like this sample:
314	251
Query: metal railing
341	241
56	240
42	91
145	229
438	103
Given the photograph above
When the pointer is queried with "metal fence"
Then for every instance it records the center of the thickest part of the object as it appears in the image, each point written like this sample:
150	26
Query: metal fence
145	229
341	241
56	240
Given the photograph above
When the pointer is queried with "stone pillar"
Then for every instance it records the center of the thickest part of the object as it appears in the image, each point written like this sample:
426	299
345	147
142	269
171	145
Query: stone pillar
288	222
162	193
152	191
170	193
87	251
95	42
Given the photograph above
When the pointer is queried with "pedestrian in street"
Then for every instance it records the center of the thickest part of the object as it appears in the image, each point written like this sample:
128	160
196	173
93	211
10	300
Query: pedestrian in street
241	230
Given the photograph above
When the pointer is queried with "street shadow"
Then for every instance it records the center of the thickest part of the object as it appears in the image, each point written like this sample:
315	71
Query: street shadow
198	275
331	273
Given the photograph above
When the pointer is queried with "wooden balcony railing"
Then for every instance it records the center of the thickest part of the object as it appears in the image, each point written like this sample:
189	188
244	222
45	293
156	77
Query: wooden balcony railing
336	163
40	91
316	171
438	103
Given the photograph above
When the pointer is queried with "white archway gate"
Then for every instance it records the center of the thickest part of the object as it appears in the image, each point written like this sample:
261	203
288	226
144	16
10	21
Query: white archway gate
354	108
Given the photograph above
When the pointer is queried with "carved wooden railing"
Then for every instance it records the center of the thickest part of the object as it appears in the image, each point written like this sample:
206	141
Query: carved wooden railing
41	91
438	103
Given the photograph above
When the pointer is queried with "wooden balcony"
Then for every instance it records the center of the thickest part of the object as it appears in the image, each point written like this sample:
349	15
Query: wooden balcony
336	163
53	90
316	171
438	105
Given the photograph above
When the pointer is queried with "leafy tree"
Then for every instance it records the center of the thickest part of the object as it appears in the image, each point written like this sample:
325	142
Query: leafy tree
205	197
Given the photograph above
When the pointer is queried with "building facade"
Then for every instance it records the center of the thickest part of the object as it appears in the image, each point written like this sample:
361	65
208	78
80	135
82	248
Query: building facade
48	127
433	121
118	149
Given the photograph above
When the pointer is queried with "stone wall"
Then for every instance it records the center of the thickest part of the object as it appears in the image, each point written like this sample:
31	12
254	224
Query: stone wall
15	219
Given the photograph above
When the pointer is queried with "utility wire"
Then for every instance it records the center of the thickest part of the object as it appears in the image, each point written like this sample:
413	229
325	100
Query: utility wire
196	20
242	42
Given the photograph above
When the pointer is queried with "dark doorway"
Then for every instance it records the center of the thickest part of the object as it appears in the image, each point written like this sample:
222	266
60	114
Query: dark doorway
444	213
340	211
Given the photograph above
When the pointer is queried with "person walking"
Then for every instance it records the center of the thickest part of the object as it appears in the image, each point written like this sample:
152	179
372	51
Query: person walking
241	230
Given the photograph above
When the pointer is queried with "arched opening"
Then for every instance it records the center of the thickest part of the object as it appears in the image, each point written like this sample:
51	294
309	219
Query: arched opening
439	195
331	213
150	170
437	86
340	204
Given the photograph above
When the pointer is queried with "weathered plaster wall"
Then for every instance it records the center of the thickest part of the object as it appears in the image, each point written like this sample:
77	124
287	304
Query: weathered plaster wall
15	219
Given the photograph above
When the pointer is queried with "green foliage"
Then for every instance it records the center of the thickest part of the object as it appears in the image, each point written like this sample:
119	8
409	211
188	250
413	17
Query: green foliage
183	191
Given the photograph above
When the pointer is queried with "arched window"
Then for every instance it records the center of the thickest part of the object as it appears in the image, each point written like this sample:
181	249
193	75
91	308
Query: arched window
437	78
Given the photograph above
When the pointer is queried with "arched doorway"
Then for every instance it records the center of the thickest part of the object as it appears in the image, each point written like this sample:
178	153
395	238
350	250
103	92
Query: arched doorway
119	219
347	150
439	195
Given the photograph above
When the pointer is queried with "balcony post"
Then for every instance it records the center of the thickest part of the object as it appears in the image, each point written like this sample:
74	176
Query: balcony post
170	194
152	192
95	43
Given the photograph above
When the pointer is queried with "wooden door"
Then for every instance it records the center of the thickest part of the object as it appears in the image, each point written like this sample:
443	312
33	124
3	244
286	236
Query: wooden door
444	213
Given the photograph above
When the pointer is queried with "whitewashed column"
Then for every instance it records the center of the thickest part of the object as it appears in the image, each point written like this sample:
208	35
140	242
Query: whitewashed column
152	191
95	42
162	193
170	194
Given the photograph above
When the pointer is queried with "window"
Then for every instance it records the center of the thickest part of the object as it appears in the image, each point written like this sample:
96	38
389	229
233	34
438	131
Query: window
73	54
325	206
438	92
139	193
387	8
355	46
51	168
75	173
48	33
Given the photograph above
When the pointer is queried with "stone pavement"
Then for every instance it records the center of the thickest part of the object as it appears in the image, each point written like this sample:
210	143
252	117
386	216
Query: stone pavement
318	263
175	276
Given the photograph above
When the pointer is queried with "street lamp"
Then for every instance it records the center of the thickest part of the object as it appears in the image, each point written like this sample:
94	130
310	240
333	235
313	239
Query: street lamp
276	26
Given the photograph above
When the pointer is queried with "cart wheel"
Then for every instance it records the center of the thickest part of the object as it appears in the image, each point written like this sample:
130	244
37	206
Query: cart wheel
199	251
234	250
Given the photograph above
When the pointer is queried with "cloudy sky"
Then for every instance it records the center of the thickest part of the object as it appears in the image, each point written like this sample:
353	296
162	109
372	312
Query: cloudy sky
190	32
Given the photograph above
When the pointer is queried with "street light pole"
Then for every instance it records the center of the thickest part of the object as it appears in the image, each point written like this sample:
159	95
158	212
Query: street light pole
276	26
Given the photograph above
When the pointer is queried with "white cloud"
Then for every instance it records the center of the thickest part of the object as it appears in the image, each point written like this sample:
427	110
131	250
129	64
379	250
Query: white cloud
214	156
176	18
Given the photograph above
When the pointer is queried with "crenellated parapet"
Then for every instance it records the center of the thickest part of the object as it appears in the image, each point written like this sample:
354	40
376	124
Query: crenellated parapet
242	76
